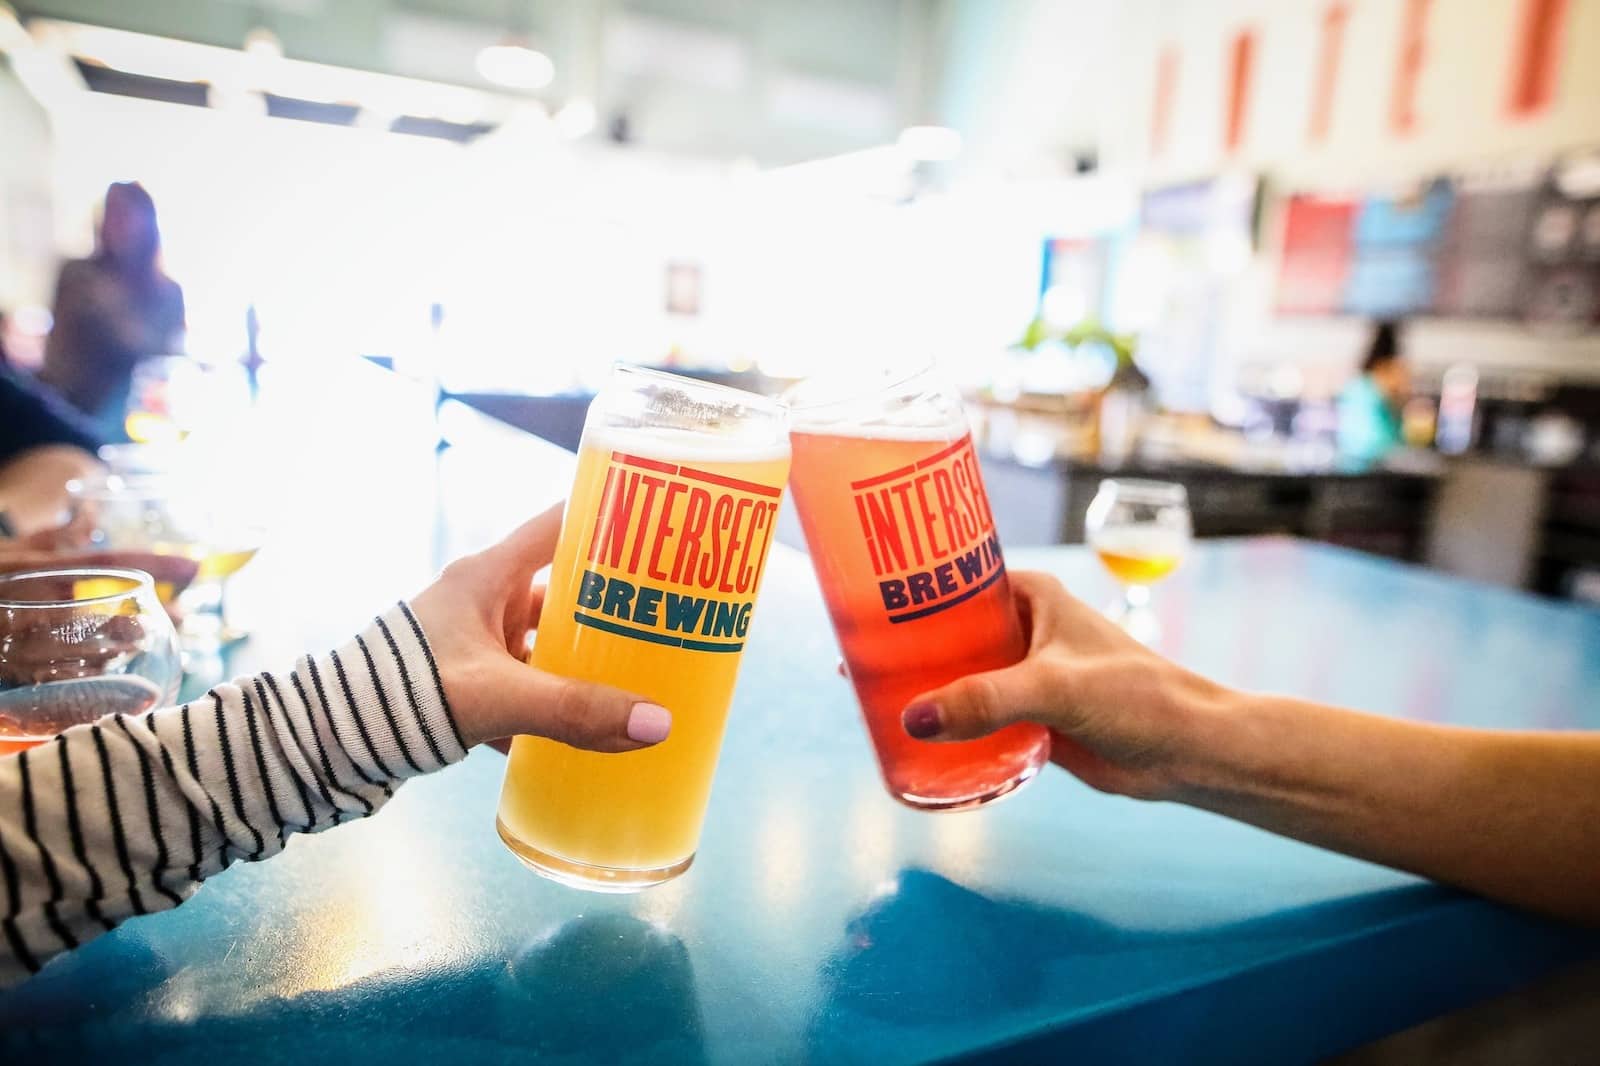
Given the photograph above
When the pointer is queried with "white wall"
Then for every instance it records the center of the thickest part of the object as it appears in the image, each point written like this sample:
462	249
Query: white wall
1462	124
550	262
1028	79
333	232
1462	94
26	254
550	265
1028	82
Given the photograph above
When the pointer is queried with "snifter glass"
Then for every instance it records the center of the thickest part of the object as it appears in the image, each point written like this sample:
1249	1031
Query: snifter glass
175	513
76	645
662	548
889	492
1140	530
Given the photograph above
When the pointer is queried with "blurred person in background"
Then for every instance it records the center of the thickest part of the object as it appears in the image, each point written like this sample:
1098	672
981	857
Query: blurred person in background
113	310
44	443
1369	407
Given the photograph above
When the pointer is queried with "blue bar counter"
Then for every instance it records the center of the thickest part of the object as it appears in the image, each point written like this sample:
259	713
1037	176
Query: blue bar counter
821	922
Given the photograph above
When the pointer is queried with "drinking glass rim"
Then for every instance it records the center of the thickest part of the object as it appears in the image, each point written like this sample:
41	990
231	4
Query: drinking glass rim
1147	488
911	373
743	396
110	453
143	485
143	582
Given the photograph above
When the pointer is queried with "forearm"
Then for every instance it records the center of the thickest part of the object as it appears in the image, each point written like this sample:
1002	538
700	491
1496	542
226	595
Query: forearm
1513	816
33	487
128	815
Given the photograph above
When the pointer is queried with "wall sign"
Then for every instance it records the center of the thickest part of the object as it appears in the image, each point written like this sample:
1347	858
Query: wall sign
1394	265
1318	241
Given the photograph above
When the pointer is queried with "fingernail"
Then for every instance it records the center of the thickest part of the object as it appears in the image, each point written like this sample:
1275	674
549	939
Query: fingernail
921	720
649	723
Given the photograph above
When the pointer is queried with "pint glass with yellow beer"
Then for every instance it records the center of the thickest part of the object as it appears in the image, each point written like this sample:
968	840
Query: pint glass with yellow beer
662	549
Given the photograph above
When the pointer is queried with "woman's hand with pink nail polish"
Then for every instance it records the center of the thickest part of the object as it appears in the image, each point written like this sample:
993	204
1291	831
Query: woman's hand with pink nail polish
477	617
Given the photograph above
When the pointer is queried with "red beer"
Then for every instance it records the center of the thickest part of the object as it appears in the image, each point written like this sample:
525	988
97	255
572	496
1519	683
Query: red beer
903	542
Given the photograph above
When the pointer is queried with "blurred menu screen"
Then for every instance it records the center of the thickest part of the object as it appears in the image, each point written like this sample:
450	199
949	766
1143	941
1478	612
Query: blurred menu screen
1397	241
1564	243
1484	266
1515	242
1317	246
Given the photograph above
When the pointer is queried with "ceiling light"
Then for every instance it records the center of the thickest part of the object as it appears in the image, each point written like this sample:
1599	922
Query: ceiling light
373	118
264	43
515	66
930	144
236	99
1579	176
13	38
527	127
576	118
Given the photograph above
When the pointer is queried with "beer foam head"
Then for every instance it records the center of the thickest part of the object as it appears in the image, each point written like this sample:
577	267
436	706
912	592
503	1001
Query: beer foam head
1142	542
671	417
887	431
894	403
683	445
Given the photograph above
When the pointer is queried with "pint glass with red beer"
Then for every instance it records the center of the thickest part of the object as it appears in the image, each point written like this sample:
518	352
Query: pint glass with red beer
888	490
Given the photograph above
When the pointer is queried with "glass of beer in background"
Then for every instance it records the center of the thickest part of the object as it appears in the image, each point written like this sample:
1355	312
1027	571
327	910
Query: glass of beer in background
888	491
1141	532
661	554
76	645
175	512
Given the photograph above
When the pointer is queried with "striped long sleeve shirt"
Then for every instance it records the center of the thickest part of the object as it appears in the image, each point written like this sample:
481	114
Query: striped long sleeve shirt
128	815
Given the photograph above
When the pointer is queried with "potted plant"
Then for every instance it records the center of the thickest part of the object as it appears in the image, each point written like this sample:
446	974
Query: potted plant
1120	403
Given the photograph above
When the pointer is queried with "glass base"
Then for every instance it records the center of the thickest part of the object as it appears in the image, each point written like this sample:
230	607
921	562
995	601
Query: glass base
947	805
590	878
205	633
1137	620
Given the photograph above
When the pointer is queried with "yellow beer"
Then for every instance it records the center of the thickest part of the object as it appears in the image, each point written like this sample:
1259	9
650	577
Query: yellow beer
222	563
662	548
1139	555
1138	569
216	564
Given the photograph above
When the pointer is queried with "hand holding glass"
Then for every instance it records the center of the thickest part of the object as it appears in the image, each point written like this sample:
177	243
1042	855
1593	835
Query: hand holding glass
888	489
662	548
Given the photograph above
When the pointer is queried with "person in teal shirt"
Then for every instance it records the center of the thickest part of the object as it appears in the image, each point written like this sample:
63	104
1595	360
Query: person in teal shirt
1369	407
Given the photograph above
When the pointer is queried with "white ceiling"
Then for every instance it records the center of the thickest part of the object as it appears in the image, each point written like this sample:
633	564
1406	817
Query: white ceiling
777	81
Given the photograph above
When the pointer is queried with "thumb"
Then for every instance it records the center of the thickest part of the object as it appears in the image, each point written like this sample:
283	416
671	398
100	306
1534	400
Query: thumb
972	707
579	713
532	544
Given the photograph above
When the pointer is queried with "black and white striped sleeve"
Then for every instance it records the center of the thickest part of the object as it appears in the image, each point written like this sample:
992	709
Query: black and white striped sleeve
128	815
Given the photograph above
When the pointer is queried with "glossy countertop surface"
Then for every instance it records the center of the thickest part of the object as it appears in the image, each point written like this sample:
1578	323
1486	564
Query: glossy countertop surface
821	922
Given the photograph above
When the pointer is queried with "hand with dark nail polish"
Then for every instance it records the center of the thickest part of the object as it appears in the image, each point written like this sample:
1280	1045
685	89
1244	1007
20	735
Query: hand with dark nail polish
1500	813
